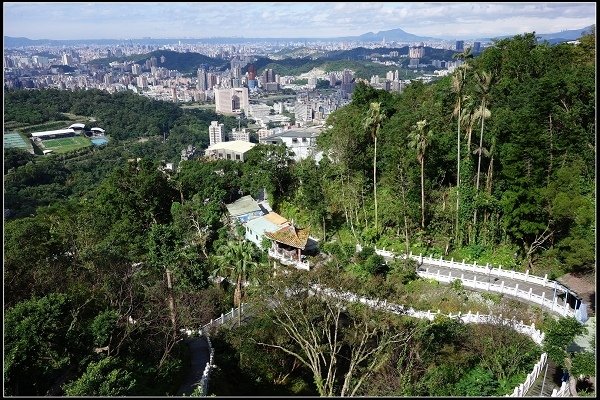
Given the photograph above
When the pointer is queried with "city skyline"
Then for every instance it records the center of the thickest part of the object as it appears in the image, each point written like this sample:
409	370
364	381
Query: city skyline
68	21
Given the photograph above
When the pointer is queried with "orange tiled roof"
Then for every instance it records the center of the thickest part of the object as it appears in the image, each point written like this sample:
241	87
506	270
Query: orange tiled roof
275	218
291	236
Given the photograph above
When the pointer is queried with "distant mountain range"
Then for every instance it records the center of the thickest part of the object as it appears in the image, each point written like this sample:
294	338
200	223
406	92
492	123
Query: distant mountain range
397	35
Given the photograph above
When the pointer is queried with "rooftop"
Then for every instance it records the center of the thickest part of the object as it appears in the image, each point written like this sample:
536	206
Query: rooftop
239	146
262	225
50	133
241	206
290	236
296	133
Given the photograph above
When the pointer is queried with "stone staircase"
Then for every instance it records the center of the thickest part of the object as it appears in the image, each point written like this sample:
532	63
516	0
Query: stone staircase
553	375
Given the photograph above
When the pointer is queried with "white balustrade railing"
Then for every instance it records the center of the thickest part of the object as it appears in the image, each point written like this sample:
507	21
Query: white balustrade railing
523	388
563	391
535	334
550	304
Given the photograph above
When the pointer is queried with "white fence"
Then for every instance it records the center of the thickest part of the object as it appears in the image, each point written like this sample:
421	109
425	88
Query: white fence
550	304
521	390
231	315
460	267
535	334
563	391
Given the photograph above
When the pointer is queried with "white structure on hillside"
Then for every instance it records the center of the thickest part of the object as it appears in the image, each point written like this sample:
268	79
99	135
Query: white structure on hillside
216	133
235	150
243	135
301	141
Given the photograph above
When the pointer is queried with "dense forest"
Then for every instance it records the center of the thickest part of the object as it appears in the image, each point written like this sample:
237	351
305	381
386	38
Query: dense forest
107	256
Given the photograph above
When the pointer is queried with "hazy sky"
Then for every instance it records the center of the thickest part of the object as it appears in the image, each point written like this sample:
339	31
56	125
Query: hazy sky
271	19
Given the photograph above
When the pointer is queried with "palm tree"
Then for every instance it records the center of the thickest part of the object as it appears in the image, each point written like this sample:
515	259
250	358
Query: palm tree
419	140
235	259
465	55
372	124
484	83
458	85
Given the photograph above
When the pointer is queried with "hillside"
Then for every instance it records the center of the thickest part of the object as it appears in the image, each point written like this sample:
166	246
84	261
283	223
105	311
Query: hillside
183	62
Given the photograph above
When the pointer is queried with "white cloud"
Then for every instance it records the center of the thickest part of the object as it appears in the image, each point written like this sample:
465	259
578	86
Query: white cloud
277	19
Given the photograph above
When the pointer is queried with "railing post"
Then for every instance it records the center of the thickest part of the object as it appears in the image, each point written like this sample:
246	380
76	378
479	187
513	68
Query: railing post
543	298
502	287
526	275
516	289
462	277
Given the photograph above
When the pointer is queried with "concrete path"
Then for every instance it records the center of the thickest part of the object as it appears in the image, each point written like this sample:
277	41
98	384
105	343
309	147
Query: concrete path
484	277
200	354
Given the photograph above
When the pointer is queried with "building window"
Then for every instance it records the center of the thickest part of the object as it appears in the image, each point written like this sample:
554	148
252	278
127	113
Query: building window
237	157
228	156
294	140
303	140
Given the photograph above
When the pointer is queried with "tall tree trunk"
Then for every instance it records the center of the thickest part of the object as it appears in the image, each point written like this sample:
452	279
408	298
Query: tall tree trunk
457	172
551	149
479	162
405	219
422	194
375	185
171	301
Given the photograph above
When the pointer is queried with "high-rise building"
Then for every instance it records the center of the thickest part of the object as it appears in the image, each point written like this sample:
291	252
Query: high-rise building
270	75
460	45
389	76
136	69
174	94
67	59
232	100
251	72
216	133
416	51
142	82
476	47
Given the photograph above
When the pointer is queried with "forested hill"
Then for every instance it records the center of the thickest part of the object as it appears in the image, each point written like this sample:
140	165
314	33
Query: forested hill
527	157
183	62
354	59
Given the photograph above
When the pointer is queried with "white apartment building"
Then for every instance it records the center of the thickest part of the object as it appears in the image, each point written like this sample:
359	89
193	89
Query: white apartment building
216	133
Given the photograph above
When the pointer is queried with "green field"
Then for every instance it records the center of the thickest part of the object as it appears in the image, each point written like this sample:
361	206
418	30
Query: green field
64	145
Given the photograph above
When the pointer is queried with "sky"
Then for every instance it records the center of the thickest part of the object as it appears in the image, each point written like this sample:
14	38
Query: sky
114	20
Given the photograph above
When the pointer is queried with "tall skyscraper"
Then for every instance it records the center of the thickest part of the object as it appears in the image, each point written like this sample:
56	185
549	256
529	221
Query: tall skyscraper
460	45
216	133
476	47
202	81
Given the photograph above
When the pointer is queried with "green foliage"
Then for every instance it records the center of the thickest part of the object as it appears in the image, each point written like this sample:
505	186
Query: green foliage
583	363
102	378
36	340
559	335
102	327
477	382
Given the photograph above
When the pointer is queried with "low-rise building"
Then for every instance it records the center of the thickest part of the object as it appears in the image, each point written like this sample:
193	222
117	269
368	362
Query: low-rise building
235	150
301	141
244	209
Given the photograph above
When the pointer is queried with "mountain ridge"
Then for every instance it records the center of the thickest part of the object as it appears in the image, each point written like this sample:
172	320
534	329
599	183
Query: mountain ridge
396	34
